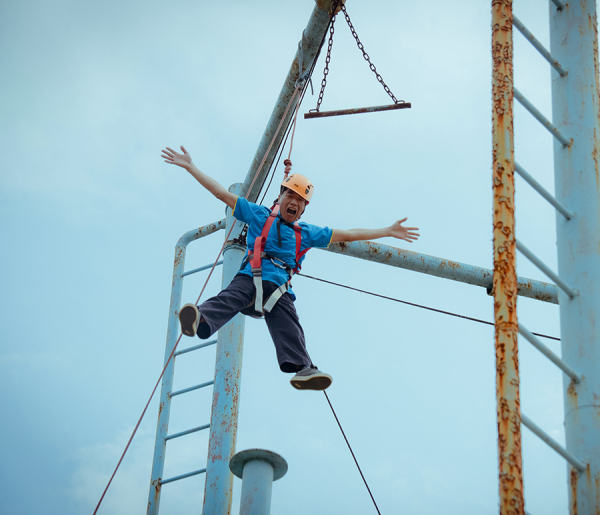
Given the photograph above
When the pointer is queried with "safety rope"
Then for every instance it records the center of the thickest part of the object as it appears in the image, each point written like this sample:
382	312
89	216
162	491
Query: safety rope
416	305
351	451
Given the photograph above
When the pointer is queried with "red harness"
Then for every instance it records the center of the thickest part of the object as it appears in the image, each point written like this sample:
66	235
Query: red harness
258	254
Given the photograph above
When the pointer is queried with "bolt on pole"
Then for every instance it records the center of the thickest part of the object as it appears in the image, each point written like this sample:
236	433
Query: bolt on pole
505	273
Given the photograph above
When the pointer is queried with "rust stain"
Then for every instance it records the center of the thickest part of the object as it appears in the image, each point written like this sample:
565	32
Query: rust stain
574	476
597	479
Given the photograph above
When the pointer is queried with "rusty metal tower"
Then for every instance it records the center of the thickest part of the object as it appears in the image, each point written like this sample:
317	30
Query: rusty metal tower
576	286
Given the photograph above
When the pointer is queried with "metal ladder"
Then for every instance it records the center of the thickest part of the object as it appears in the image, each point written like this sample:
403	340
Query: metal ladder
162	436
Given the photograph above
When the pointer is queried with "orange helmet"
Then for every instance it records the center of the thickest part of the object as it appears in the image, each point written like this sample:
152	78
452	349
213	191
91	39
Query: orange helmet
300	184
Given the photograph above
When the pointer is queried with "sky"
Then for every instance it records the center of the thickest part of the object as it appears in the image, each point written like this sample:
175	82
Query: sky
90	216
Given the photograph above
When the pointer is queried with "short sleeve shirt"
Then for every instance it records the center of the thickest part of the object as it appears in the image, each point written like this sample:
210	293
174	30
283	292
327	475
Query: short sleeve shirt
255	217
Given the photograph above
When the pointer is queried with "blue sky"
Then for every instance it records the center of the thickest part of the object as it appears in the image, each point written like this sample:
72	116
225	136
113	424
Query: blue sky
90	216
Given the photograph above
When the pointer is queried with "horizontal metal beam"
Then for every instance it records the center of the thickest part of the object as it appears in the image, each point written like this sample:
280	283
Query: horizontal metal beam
541	118
205	267
539	432
191	388
544	268
195	347
438	267
188	432
357	110
548	353
540	48
544	192
183	476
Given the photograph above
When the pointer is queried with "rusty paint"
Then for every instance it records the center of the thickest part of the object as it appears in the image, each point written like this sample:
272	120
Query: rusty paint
574	476
505	285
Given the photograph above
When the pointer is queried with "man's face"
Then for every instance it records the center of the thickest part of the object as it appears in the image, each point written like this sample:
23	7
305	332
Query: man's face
291	205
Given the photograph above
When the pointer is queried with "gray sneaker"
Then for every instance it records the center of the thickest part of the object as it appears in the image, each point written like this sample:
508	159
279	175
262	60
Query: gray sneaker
189	319
311	378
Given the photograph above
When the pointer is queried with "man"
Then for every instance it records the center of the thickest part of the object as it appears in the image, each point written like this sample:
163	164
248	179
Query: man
268	267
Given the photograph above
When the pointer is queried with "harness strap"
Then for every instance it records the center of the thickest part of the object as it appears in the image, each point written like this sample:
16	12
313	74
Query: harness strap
256	256
275	296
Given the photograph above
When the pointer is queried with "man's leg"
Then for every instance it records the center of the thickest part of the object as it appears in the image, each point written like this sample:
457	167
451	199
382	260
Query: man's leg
288	337
217	311
287	333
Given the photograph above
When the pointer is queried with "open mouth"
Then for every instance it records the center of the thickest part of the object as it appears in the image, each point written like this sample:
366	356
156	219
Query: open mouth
291	211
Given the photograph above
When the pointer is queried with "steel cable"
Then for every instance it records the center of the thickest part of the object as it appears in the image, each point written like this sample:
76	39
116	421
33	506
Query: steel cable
416	305
351	451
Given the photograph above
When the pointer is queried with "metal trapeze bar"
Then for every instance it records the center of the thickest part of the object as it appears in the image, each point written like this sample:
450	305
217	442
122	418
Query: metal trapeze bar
195	347
540	48
183	476
549	354
439	267
357	110
544	268
543	192
559	5
188	432
541	118
540	433
205	267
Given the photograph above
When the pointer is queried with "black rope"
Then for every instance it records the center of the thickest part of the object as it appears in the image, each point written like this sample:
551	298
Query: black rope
351	451
418	305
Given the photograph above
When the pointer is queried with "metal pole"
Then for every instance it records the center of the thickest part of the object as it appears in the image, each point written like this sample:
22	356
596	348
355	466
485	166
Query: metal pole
257	468
226	390
164	409
312	36
505	275
575	110
440	267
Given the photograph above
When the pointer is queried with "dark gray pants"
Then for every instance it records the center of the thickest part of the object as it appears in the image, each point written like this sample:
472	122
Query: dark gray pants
282	321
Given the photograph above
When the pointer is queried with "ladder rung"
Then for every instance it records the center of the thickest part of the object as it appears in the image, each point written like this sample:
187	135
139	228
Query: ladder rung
183	476
539	432
195	347
198	386
544	268
189	431
541	118
205	267
543	192
539	47
548	353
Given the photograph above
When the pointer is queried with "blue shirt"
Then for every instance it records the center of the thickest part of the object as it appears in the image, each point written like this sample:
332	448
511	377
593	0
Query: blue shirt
256	216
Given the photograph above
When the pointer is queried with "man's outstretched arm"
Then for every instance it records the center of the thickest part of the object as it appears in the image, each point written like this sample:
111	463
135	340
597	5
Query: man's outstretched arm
185	161
397	230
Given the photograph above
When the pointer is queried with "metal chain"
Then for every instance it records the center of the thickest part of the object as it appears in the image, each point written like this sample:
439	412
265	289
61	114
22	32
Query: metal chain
327	60
368	59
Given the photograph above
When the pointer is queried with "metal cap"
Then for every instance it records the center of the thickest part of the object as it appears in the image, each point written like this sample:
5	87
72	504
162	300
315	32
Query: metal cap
280	466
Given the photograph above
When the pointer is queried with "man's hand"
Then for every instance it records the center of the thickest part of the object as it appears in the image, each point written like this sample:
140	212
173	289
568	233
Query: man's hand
175	158
404	233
